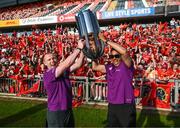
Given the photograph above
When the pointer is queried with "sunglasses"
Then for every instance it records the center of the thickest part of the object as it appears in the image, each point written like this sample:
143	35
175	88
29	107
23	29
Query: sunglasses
114	56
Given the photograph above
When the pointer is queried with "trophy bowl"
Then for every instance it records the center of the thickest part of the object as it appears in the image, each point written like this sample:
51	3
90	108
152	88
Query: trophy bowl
89	29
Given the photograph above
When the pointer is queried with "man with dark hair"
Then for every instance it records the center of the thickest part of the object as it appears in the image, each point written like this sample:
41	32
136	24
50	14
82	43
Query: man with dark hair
58	87
119	75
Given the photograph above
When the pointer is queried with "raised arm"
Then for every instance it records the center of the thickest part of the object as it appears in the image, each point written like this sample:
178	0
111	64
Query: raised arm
125	57
69	60
98	67
78	62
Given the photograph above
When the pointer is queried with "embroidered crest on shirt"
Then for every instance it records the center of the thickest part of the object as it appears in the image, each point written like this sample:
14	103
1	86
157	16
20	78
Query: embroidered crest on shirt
110	68
128	100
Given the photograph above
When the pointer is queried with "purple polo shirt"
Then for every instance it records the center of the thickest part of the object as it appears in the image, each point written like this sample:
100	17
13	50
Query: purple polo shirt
59	90
119	81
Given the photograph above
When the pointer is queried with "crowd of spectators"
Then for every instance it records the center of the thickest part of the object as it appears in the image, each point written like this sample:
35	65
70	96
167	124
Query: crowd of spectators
41	8
36	9
20	12
31	9
154	48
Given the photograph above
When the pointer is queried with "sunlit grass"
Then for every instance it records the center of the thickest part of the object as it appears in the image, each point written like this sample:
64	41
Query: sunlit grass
27	113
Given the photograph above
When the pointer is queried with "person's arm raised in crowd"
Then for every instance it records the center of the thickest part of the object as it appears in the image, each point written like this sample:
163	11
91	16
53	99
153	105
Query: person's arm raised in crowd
32	58
22	67
140	50
138	58
153	60
98	67
125	57
78	62
69	60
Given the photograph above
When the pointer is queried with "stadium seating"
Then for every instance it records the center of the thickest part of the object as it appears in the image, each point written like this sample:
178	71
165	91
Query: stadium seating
120	5
112	5
98	7
173	2
138	4
68	7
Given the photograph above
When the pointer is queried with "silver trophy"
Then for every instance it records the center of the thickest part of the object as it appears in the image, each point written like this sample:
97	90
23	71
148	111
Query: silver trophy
88	29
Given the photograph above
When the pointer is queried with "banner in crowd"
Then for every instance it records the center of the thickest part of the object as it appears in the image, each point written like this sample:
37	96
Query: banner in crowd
71	17
33	89
8	23
38	20
66	18
128	13
163	94
157	95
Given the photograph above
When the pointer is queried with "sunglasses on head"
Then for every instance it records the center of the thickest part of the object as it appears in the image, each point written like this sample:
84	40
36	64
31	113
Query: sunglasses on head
114	56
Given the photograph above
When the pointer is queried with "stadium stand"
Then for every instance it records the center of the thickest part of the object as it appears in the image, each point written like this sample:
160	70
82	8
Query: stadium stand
112	5
138	4
173	2
120	5
61	7
99	6
153	46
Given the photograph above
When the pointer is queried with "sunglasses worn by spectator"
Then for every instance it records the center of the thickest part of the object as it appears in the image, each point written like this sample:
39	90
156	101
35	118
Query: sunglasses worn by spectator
114	56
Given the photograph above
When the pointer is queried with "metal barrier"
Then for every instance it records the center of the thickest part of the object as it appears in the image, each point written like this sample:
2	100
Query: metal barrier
5	84
175	94
87	89
82	87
